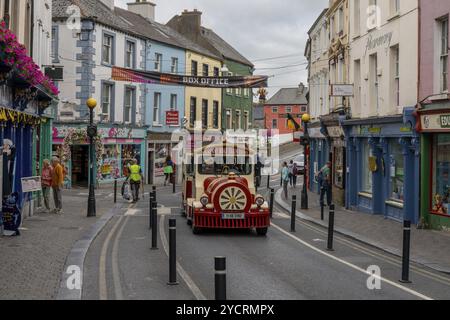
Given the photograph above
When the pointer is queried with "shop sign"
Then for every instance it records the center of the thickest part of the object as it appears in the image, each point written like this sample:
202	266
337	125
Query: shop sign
342	90
31	184
172	118
435	122
369	130
315	133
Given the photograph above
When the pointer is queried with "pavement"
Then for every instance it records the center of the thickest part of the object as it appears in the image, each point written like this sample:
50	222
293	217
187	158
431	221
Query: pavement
428	247
32	264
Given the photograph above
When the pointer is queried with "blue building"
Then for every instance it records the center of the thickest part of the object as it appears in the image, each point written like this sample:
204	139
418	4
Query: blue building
383	156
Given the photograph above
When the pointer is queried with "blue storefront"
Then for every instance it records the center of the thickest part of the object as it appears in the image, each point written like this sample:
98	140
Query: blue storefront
319	153
383	158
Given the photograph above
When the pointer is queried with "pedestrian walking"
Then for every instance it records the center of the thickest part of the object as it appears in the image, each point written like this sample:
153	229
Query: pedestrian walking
294	175
47	177
168	170
285	179
57	184
324	178
291	172
135	179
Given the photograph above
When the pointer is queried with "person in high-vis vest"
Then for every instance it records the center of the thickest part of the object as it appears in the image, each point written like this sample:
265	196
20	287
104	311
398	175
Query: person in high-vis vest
135	180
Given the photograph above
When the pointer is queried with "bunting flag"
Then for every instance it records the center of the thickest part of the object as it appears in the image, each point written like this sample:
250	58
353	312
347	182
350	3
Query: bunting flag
138	76
292	124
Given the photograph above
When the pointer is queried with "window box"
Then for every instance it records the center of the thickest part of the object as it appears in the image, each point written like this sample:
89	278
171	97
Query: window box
365	195
395	204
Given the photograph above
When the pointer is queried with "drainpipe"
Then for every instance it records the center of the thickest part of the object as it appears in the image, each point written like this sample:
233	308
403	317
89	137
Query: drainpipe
32	29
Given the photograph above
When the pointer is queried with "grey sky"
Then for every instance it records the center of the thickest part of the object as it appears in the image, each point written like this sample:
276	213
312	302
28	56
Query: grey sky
258	29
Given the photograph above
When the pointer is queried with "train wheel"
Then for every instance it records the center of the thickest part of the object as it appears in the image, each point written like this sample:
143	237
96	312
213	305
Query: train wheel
262	231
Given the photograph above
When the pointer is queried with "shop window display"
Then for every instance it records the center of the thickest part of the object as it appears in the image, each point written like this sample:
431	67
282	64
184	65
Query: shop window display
339	167
129	153
366	174
110	164
397	175
441	174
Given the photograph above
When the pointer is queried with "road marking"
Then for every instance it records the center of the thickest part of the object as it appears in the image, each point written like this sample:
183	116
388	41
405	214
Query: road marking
410	291
183	274
132	212
103	291
115	264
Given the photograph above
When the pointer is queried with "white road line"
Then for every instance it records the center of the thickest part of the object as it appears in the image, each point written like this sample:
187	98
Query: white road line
187	279
103	291
410	291
115	264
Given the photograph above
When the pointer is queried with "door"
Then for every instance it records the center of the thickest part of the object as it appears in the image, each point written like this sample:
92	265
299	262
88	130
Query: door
80	166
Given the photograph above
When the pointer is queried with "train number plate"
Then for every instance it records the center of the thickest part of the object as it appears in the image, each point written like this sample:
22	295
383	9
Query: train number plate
233	216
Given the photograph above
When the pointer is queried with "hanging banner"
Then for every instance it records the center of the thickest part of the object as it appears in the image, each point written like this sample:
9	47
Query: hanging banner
138	76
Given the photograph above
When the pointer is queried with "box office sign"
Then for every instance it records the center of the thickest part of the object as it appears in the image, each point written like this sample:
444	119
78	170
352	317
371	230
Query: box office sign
435	122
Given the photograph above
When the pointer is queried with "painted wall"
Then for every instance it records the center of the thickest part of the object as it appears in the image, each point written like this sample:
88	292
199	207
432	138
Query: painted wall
203	93
42	32
281	116
168	52
238	99
403	27
429	45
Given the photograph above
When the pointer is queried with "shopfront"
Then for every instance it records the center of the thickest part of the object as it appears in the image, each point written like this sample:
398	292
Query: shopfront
160	146
319	154
383	166
116	147
434	127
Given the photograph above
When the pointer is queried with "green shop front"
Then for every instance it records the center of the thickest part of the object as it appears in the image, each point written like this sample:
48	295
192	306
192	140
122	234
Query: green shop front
116	147
434	127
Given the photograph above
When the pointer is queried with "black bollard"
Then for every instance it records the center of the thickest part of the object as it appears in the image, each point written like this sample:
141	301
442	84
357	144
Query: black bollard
331	229
154	226
174	183
293	210
220	278
152	197
115	190
406	251
268	181
272	196
172	252
322	209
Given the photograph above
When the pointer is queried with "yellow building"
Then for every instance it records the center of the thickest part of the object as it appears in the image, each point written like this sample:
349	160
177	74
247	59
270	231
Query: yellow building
203	104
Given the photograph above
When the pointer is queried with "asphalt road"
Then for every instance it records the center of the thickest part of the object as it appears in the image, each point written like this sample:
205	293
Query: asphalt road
280	266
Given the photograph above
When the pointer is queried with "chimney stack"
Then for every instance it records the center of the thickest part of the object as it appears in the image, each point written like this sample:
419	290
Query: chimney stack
301	88
144	8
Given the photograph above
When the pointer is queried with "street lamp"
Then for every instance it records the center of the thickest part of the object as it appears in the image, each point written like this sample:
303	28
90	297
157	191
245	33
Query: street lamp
305	143
91	132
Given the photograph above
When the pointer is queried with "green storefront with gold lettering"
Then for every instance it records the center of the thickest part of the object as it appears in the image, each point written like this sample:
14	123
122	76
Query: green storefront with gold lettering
434	127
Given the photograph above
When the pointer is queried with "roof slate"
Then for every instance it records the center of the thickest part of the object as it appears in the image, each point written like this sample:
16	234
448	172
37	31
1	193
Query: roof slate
289	96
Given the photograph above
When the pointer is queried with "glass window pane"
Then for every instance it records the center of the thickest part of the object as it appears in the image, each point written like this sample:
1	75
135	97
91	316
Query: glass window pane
366	175
441	179
397	171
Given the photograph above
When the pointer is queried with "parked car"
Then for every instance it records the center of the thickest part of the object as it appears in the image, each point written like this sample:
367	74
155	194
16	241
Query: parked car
300	161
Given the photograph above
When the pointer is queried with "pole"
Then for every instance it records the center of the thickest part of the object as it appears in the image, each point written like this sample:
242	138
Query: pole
304	204
91	199
220	278
331	229
172	252
115	190
173	183
268	181
406	251
322	209
272	196
293	210
150	208
154	226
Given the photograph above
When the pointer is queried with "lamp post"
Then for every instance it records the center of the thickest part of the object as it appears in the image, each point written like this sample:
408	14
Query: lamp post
305	143
91	132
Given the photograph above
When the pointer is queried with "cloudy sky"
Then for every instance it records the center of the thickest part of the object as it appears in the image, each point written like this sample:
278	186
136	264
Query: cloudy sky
258	29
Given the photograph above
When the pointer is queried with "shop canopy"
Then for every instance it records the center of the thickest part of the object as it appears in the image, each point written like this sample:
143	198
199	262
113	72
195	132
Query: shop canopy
138	76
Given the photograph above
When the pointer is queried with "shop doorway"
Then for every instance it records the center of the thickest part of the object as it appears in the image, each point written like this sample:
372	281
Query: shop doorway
80	166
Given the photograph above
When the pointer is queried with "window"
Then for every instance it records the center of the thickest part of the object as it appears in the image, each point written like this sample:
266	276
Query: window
229	90
274	124
54	49
194	68
216	72
395	7
128	104
158	62
156	108
205	70
173	102
229	119
107	92
7	13
441	175
274	109
130	54
397	171
339	167
246	92
288	109
366	174
107	54
238	120
303	109
193	111
216	114
373	73
205	113
332	28
341	21
396	75
357	17
357	77
174	66
443	27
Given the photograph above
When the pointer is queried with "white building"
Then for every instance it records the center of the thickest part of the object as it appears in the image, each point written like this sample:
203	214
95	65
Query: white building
42	32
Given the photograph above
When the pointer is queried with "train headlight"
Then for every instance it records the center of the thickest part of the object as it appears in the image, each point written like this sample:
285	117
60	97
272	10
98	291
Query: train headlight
259	201
204	200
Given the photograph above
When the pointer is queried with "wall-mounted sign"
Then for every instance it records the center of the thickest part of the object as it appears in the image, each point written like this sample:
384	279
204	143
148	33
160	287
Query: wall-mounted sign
172	118
383	40
342	90
31	184
435	122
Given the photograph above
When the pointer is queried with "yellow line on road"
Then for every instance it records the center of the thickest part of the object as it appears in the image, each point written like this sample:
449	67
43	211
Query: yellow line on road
115	264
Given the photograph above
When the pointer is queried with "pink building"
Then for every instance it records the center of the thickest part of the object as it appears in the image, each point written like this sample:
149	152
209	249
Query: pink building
434	113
